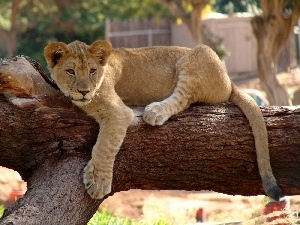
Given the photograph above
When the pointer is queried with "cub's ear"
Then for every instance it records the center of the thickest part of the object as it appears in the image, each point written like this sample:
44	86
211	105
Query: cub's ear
54	52
102	50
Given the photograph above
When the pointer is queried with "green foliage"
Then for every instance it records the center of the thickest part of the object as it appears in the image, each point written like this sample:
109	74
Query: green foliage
232	6
42	21
104	217
1	210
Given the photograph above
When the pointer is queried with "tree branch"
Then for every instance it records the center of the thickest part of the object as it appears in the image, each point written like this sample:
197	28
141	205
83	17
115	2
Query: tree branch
176	8
208	147
14	14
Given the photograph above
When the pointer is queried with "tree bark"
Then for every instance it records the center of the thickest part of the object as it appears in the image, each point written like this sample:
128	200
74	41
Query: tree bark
207	147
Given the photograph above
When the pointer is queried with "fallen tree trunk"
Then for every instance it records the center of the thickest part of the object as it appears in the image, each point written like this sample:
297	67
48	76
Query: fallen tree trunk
208	147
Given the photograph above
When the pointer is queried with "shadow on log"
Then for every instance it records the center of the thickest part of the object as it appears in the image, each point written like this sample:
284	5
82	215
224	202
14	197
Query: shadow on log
207	147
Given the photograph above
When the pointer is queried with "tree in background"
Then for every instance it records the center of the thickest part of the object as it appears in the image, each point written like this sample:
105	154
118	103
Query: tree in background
18	20
233	6
272	29
26	26
9	27
190	12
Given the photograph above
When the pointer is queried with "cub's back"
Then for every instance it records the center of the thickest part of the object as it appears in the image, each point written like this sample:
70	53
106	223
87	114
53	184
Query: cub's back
147	74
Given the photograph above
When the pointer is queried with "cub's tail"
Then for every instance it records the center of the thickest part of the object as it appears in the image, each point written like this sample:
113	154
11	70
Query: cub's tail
257	123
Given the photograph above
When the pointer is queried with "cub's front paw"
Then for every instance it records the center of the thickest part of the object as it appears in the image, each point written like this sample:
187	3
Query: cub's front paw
155	114
96	182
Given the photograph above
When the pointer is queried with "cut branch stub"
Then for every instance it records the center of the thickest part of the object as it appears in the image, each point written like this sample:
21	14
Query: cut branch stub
37	120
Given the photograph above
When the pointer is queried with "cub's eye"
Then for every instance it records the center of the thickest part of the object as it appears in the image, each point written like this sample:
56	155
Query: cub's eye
70	72
92	71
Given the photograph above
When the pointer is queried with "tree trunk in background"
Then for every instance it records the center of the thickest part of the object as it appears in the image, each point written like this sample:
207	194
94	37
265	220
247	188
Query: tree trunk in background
10	36
272	29
10	40
210	147
195	27
192	20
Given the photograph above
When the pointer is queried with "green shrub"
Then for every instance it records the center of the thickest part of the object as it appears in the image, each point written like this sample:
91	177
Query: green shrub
104	217
1	210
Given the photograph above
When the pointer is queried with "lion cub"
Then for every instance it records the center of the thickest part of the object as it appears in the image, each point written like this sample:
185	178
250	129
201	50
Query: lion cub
102	81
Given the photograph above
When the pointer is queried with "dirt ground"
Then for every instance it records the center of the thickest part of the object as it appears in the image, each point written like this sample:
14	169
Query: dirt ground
177	207
290	80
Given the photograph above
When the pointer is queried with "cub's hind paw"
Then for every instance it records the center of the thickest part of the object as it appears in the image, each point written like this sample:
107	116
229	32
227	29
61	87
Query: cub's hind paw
155	114
96	182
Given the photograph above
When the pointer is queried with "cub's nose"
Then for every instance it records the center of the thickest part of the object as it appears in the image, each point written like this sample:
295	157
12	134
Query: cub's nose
83	92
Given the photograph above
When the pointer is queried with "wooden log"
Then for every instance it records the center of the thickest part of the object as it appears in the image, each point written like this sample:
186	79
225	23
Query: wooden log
207	147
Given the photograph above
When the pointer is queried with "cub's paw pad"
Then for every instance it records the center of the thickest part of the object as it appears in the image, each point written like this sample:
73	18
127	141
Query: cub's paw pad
155	114
96	182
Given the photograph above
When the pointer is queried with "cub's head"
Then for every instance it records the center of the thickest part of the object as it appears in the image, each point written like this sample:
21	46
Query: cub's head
77	68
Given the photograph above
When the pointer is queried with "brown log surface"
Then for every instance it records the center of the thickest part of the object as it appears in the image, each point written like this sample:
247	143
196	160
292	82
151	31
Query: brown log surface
207	147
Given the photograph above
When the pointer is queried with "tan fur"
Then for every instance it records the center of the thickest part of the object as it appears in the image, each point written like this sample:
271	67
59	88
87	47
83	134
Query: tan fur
166	80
